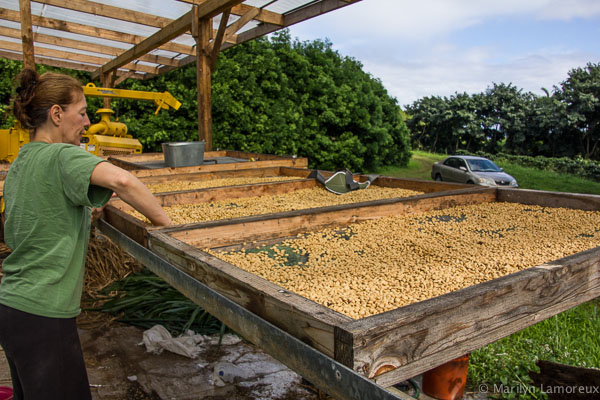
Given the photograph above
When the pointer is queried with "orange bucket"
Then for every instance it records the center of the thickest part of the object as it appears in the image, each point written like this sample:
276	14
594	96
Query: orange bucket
448	381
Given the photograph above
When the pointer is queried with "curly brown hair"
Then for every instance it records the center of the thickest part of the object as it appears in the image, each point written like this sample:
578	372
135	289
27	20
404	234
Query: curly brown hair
37	94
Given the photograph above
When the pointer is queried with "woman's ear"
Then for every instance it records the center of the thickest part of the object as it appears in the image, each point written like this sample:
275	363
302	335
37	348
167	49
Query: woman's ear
56	114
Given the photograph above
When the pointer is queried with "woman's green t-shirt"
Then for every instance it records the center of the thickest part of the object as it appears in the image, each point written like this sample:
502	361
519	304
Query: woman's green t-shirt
48	199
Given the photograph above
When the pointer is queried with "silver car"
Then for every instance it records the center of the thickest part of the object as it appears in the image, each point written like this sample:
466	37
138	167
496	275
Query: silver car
471	169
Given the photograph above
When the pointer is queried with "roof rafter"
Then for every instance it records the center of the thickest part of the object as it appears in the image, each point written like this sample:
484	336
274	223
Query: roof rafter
208	9
133	17
294	17
265	16
113	12
70	56
67	64
85	46
86	30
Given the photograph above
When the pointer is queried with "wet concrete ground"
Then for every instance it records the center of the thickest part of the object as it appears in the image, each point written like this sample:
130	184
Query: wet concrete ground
119	368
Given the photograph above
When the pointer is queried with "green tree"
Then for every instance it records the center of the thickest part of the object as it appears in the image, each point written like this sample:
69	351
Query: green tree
581	94
278	96
289	97
503	117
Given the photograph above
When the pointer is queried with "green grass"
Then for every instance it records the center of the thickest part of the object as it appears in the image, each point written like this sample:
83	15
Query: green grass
568	338
571	337
531	178
420	164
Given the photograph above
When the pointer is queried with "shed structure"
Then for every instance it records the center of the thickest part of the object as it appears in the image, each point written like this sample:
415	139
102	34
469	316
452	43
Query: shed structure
119	39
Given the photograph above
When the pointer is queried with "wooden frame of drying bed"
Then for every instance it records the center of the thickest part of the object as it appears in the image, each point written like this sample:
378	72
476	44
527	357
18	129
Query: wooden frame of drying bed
411	339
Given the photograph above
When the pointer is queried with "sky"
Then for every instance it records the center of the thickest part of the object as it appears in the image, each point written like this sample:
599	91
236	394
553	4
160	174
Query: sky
441	47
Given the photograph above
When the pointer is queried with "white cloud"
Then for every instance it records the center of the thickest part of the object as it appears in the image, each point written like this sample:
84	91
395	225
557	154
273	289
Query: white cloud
568	10
425	19
408	45
470	73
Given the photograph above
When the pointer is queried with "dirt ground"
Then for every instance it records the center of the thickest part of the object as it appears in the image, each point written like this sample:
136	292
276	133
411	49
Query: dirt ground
119	367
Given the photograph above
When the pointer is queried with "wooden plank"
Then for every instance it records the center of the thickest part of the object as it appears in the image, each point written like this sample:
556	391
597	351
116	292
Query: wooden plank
417	184
105	10
313	10
304	319
294	17
93	32
566	382
423	335
208	9
203	80
86	46
577	201
215	45
255	156
232	192
293	171
136	161
59	63
236	26
145	157
26	34
237	230
115	213
264	16
215	167
302	14
67	55
207	176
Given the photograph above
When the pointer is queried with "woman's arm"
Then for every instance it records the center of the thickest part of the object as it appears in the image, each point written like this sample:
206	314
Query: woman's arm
130	190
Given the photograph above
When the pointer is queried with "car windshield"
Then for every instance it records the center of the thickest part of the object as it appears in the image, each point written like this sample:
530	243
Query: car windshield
483	165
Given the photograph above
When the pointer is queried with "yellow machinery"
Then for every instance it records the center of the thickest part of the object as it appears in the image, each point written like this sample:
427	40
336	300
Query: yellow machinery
108	137
103	138
11	141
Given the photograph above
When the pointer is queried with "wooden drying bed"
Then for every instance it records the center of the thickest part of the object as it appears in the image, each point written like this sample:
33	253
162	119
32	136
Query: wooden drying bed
137	163
117	211
410	339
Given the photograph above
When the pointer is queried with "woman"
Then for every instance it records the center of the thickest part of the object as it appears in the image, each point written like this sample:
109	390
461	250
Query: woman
49	192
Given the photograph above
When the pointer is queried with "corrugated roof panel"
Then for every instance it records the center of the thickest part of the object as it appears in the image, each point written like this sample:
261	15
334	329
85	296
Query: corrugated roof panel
165	8
97	21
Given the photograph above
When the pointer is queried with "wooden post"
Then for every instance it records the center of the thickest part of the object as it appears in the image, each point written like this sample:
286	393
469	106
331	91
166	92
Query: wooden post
202	30
107	80
27	34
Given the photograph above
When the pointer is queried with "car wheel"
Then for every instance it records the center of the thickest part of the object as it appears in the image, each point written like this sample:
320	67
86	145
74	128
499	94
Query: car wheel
470	183
438	177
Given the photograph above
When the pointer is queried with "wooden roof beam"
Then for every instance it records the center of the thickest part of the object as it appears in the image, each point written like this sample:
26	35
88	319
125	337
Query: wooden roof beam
86	30
85	46
67	64
108	11
229	36
26	34
268	17
214	51
208	9
111	12
236	26
291	18
70	56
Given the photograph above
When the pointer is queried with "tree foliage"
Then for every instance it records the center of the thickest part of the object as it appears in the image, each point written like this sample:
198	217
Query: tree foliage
272	95
288	97
564	123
